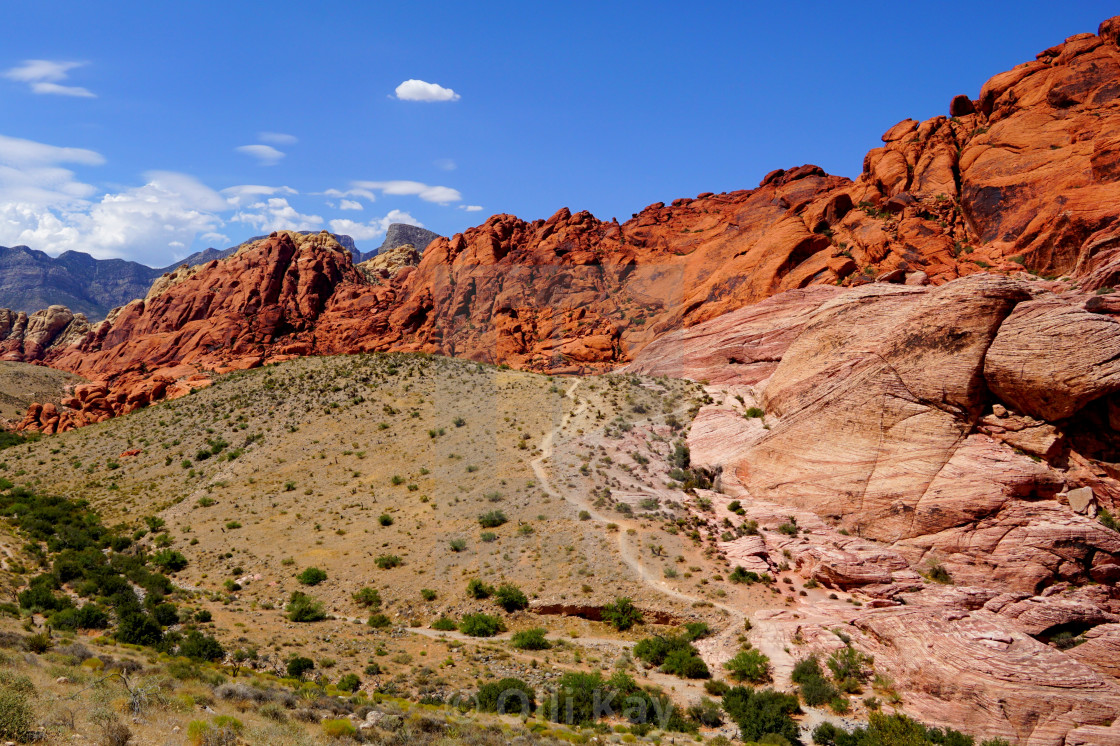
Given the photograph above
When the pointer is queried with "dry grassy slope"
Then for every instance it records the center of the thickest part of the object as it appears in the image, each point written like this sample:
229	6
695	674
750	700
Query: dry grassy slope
321	440
22	383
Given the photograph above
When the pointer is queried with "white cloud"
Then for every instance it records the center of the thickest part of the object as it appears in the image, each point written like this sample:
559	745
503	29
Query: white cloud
140	222
446	164
30	173
418	90
45	76
349	204
277	138
239	195
266	155
375	228
471	208
220	239
276	214
17	152
439	194
363	193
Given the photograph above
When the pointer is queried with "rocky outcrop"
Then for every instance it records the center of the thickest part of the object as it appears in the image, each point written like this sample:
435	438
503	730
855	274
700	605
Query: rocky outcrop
29	338
400	234
385	265
31	280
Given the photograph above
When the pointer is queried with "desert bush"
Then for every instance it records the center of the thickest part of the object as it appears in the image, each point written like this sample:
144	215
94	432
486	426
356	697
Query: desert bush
199	646
481	625
379	621
349	683
759	713
298	665
340	728
388	561
750	666
508	695
492	519
476	588
531	639
510	597
169	559
621	614
444	624
311	576
17	717
303	608
368	598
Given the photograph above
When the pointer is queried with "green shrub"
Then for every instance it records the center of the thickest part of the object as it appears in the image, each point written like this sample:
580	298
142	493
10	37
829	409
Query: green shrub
492	519
510	597
199	646
716	688
759	713
508	695
169	559
458	545
428	594
847	663
340	728
476	588
297	666
17	718
388	561
349	683
481	625
312	576
303	608
531	639
368	598
379	621
750	666
621	614
385	519
445	624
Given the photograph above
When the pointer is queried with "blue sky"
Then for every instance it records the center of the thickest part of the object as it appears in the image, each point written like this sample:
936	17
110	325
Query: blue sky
149	130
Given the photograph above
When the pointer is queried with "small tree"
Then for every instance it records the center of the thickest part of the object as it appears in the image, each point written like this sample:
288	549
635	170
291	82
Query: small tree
622	614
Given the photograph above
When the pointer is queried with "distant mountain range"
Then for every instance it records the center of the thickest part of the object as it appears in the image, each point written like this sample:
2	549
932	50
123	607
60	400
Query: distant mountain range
31	280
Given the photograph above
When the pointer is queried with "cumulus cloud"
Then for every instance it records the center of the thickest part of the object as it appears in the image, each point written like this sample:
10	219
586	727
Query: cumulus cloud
349	204
446	164
439	194
266	155
471	208
170	208
275	214
375	228
46	76
419	90
277	138
219	239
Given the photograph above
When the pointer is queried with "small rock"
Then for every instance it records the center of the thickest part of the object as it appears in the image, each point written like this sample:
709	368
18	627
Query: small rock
999	410
62	680
1080	499
917	278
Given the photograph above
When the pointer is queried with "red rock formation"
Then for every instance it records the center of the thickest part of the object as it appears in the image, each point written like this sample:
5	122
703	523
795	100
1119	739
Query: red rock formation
1026	171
